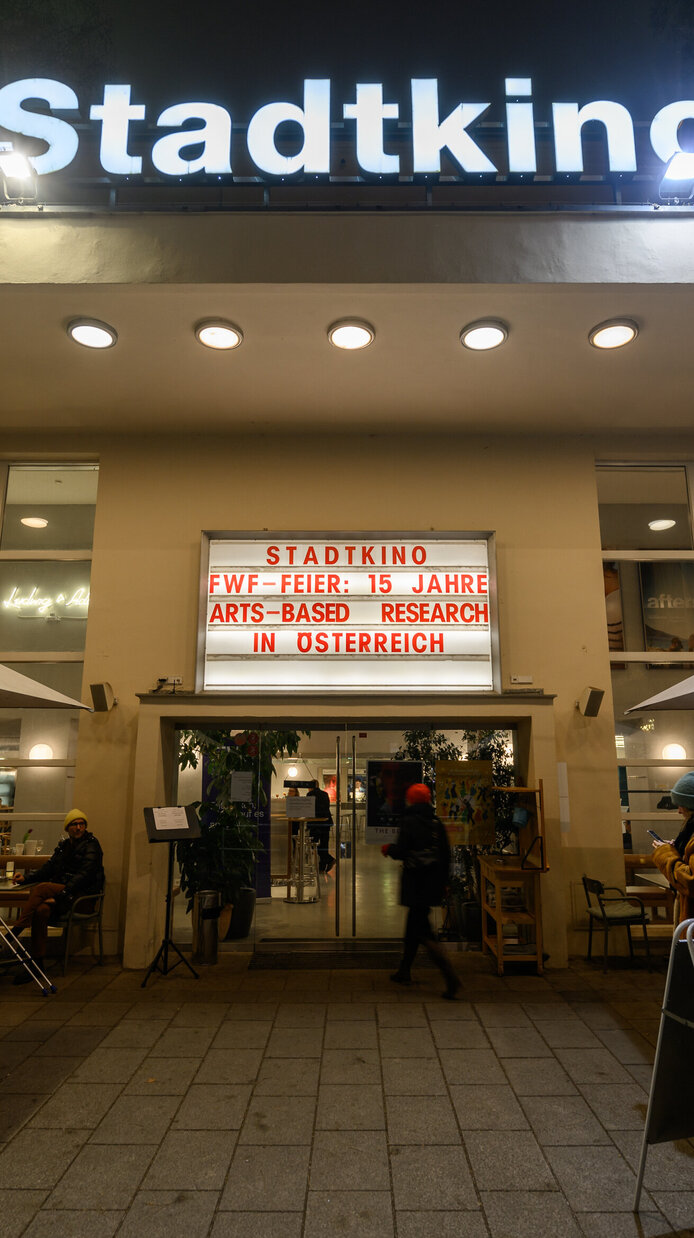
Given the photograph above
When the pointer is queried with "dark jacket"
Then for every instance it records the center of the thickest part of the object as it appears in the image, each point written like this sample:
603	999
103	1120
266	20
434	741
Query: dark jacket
78	866
323	812
425	851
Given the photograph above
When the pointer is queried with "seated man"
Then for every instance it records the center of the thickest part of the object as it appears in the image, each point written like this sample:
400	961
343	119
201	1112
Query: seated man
75	868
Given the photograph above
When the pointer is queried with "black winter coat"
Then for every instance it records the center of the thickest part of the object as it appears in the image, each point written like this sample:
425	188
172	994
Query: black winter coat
425	851
78	866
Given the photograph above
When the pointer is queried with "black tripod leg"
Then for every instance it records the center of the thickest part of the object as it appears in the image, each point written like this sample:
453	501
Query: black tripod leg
160	962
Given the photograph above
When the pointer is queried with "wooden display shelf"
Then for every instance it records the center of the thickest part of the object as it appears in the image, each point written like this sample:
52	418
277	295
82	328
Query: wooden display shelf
499	875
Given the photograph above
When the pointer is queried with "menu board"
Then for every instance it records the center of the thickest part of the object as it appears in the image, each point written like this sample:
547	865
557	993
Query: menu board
359	612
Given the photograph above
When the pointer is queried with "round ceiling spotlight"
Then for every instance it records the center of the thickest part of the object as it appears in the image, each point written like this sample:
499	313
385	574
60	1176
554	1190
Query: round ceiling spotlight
659	526
219	334
351	334
613	334
91	333
34	522
485	334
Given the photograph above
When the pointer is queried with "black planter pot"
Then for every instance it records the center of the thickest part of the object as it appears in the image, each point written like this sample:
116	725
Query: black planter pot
242	916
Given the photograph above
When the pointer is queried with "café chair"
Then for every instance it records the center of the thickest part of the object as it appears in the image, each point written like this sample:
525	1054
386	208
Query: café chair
613	909
86	909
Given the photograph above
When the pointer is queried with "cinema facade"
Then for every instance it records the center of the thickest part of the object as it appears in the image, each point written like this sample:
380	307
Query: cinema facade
284	534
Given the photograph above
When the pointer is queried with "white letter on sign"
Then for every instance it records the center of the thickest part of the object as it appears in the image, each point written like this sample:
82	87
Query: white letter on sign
215	136
61	138
568	122
313	119
116	112
429	136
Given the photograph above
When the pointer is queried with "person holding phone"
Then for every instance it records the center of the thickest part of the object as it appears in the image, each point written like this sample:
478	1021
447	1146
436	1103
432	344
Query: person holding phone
675	859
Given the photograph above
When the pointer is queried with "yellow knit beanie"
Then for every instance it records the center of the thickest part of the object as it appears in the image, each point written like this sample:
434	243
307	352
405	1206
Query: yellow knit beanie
75	815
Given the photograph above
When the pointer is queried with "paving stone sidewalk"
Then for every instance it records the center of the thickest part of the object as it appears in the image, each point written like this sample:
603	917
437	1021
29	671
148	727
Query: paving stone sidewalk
309	1104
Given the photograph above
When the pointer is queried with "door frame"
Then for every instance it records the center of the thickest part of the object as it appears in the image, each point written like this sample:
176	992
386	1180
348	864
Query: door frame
154	775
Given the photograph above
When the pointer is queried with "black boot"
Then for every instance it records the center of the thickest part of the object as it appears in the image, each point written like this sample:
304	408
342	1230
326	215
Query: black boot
450	975
402	975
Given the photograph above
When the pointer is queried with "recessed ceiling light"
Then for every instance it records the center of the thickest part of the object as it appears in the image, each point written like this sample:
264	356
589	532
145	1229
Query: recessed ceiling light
216	333
92	333
659	526
351	334
34	522
614	334
485	334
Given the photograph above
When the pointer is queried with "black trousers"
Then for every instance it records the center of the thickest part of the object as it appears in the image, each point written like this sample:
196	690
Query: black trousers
321	836
417	930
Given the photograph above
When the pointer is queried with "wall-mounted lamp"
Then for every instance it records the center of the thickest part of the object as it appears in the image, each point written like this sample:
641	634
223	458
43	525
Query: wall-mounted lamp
17	177
674	752
41	752
677	184
589	702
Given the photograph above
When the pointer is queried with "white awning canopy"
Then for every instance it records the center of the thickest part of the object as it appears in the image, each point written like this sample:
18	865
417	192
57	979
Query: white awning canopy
679	696
18	691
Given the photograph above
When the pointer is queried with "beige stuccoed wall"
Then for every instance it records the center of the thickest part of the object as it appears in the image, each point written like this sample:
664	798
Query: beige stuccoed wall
155	496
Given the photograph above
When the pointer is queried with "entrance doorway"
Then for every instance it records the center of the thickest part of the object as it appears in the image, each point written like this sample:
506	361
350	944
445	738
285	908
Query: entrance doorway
364	771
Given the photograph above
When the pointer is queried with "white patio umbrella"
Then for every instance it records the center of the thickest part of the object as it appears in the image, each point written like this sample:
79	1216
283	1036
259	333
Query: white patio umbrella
679	696
18	691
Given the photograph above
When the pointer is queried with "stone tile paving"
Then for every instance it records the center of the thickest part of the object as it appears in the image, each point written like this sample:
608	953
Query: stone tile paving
308	1104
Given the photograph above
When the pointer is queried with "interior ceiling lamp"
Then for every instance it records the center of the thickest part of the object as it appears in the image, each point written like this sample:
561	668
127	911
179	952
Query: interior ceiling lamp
17	176
659	526
674	752
34	522
677	184
614	333
216	333
351	334
41	752
484	334
292	772
91	333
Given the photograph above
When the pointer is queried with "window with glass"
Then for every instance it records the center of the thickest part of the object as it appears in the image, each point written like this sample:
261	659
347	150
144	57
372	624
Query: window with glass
46	531
648	568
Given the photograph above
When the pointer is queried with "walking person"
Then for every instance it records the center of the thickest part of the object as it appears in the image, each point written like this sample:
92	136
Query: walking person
75	868
423	847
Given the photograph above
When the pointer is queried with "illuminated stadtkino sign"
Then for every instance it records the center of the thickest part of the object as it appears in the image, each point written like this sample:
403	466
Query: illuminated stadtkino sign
361	612
197	134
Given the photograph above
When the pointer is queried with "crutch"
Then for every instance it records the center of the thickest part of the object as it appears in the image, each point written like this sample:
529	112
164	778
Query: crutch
21	954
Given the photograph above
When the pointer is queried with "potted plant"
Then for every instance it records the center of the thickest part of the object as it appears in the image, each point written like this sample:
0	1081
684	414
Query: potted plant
224	858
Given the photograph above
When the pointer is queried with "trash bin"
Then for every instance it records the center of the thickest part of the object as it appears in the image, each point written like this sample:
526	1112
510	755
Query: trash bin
206	909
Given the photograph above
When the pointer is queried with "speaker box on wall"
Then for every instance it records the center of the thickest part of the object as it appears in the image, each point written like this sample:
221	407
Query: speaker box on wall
590	701
102	697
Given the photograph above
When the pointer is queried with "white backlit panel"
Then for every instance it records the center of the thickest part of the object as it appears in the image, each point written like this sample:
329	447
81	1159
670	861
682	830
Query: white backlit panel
360	612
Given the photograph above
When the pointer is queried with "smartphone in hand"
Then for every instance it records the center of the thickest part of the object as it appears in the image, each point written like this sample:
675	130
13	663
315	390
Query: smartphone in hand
657	837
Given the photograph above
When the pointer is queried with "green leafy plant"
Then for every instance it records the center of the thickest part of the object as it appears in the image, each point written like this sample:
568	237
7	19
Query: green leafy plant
225	855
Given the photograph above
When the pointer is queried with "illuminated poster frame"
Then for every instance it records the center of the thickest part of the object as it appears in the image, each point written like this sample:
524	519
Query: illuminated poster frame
347	612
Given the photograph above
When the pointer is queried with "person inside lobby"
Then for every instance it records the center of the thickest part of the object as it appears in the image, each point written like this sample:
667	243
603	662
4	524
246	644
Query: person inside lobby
75	868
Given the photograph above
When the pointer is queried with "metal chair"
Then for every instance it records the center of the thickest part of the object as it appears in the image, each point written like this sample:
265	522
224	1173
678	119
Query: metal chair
616	911
86	909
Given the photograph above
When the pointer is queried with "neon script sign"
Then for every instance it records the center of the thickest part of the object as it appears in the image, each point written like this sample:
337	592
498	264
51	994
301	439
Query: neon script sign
183	150
35	603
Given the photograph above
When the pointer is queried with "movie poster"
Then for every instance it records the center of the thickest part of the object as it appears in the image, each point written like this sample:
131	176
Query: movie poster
464	802
667	603
387	783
